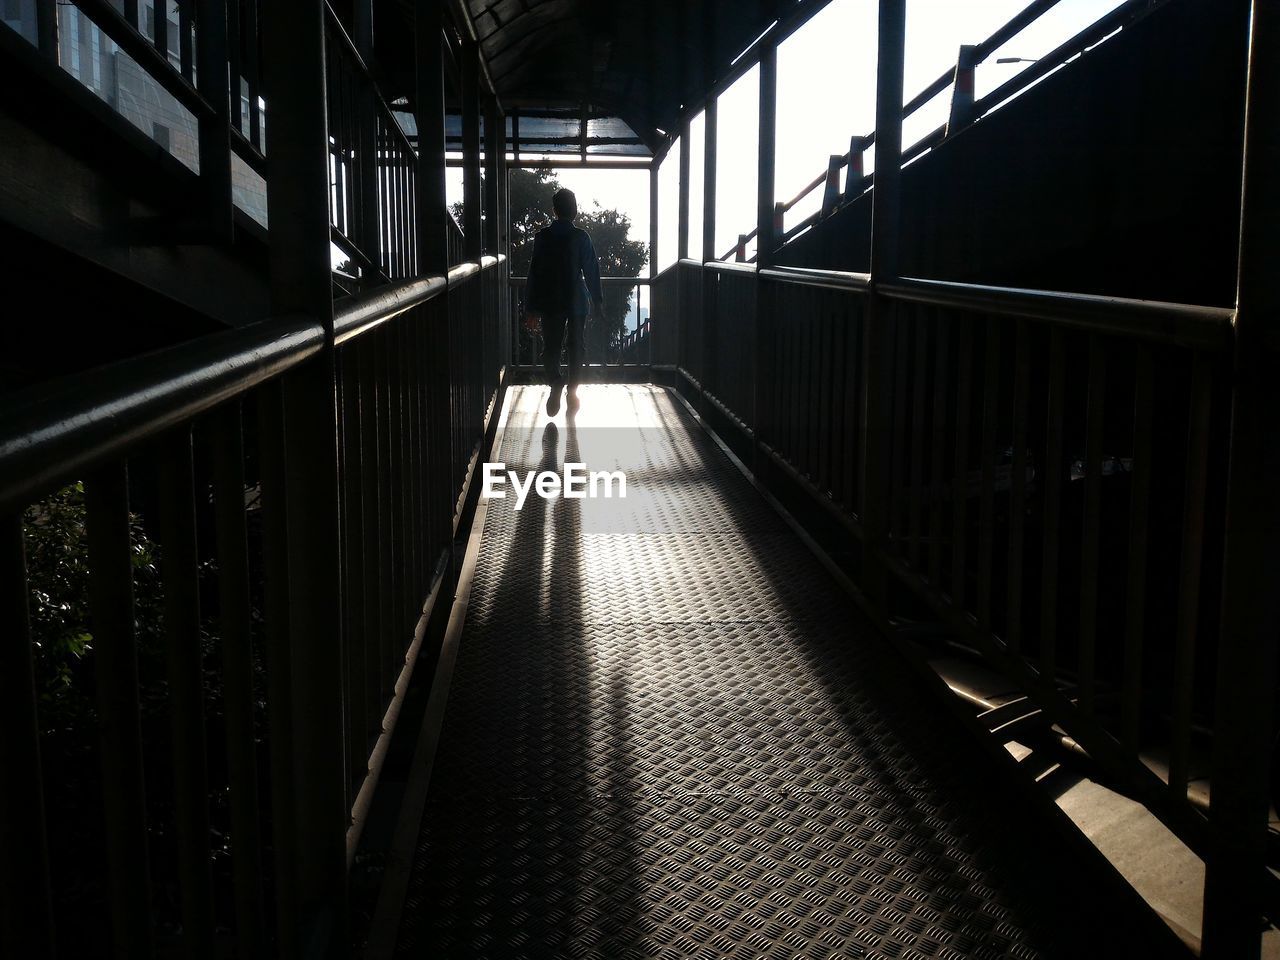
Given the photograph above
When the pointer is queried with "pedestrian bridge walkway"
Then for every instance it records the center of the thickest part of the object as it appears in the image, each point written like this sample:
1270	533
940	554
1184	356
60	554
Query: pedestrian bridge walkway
669	732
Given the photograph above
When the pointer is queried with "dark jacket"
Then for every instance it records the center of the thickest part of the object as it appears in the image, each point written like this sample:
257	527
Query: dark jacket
564	274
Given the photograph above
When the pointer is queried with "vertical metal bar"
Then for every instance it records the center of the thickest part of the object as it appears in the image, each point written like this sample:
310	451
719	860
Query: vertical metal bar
831	187
160	14
1237	849
236	627
1193	511
653	223
235	73
938	456
766	158
215	129
962	89
918	418
986	510
301	282
186	60
279	656
877	345
353	566
857	167
1089	545
116	672
131	13
1018	483
1053	470
494	127
710	121
179	566
898	487
1136	587
471	228
682	220
960	470
253	70
47	28
26	905
371	524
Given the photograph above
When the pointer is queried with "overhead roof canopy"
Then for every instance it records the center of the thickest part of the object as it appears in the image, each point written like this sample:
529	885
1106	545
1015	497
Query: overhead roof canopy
641	61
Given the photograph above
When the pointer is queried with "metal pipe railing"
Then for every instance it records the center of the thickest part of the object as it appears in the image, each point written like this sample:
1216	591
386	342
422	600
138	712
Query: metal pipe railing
1000	465
1082	41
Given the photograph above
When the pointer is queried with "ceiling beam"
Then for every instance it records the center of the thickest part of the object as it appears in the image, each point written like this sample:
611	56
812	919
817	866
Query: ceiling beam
462	20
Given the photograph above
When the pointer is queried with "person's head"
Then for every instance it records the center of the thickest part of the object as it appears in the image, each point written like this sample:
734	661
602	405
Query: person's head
565	204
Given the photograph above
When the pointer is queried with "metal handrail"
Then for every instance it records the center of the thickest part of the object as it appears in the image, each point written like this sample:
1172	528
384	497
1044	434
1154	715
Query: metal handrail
629	281
827	279
50	432
1199	327
1188	325
1083	40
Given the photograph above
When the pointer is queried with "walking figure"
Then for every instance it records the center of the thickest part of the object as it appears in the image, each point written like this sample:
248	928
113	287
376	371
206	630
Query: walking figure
564	288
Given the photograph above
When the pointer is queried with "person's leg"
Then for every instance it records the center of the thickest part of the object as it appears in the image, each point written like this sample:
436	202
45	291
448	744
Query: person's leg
553	329
553	335
575	335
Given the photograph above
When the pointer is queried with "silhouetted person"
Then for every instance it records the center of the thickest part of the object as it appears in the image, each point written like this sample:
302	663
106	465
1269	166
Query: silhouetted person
564	287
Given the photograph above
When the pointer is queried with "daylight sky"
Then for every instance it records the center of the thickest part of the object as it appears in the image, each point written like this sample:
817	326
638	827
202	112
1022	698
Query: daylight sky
826	92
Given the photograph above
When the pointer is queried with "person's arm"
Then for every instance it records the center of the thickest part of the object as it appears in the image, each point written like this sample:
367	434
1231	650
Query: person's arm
591	272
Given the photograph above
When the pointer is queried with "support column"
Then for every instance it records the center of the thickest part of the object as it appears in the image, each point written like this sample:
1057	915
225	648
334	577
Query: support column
709	182
471	226
1235	865
368	164
433	257
653	221
299	259
766	158
215	129
432	202
494	147
682	241
877	374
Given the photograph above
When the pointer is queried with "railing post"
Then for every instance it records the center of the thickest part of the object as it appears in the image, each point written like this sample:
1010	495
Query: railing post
682	238
471	224
740	251
831	189
766	157
857	168
433	251
47	28
26	908
370	235
299	258
653	221
709	180
961	89
1235	865
494	137
877	351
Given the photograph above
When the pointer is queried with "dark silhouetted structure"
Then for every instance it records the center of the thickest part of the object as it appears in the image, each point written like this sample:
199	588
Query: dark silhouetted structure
940	600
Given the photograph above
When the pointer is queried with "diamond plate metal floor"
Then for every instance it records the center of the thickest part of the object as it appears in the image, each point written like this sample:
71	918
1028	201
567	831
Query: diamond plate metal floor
669	734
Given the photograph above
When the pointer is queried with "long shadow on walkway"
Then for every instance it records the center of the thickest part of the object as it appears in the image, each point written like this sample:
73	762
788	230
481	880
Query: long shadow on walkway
671	735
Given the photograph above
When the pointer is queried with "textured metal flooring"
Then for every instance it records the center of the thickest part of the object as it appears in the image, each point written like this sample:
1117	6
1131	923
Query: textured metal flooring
670	735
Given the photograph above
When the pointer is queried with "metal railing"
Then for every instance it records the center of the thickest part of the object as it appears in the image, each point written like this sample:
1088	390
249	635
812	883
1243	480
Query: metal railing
964	110
1052	467
191	448
605	346
207	56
